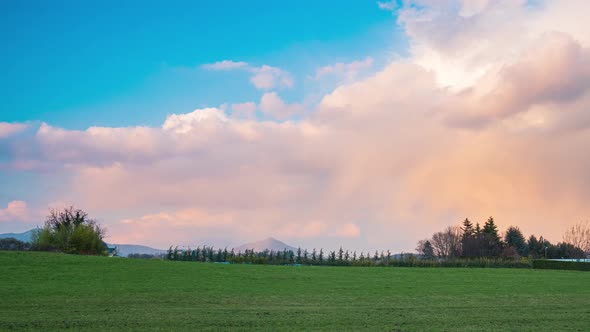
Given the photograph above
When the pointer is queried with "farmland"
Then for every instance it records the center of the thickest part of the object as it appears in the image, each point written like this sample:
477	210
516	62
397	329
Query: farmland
47	291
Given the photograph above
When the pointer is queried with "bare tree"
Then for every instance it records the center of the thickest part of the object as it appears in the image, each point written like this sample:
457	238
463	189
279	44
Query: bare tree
579	236
447	244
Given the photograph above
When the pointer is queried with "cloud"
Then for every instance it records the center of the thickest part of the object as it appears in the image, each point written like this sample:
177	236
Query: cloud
348	70
264	77
15	211
244	110
273	105
348	230
183	123
387	5
225	65
555	70
9	129
267	77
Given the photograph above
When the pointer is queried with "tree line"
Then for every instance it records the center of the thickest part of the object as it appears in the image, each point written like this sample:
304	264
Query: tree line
339	257
472	241
456	246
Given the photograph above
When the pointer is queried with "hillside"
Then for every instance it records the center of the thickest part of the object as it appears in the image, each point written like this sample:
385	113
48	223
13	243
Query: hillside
268	243
125	250
24	237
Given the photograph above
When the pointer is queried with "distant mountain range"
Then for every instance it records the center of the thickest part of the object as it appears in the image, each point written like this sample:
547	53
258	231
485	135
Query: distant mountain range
123	250
24	237
269	243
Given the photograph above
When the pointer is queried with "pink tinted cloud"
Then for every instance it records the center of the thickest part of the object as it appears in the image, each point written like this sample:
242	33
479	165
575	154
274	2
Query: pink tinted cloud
15	211
9	129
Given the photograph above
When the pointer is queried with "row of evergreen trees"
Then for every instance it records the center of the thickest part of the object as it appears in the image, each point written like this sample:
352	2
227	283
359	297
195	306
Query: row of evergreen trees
471	241
332	258
340	257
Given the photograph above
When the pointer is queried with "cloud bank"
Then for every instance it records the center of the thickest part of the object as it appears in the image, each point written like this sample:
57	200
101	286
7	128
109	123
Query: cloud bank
489	115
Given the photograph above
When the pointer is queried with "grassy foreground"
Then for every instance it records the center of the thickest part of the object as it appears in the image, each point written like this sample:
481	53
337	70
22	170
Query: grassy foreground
43	291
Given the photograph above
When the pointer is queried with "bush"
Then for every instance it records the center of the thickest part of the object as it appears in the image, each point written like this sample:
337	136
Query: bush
70	231
560	265
13	244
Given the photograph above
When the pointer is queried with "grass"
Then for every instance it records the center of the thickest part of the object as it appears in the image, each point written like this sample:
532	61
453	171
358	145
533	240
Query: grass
44	291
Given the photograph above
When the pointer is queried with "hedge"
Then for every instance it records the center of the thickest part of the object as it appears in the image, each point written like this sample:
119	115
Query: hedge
560	265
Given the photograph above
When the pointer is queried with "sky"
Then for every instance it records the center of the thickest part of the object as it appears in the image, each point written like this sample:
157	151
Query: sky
362	124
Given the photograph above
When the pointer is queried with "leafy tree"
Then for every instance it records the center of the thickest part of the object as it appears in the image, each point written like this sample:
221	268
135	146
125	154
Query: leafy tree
13	244
299	255
70	230
340	255
321	256
314	256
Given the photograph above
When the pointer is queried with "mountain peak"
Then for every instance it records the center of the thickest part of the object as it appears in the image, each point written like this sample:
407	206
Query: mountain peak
269	243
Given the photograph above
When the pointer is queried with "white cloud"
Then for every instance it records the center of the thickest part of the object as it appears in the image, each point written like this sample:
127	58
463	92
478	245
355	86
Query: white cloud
348	70
273	105
267	77
244	110
264	77
15	211
183	123
225	65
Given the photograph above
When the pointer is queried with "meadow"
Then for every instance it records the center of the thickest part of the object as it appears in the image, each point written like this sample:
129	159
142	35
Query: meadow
50	291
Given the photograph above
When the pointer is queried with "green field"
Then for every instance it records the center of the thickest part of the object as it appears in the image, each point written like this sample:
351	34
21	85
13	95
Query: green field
43	291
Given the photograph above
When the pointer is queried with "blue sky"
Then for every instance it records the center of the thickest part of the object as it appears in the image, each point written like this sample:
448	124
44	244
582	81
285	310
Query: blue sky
77	64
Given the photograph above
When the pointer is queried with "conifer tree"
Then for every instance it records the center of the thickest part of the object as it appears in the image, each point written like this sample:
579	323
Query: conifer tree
515	239
169	254
428	250
494	243
467	228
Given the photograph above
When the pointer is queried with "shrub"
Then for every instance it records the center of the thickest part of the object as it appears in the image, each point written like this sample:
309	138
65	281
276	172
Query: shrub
560	265
70	231
13	244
